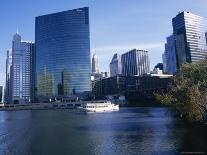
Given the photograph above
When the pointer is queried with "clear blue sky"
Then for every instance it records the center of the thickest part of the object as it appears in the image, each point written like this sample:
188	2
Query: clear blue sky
115	25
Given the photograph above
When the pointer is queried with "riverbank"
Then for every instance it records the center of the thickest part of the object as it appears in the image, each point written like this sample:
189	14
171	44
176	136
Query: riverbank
40	106
62	105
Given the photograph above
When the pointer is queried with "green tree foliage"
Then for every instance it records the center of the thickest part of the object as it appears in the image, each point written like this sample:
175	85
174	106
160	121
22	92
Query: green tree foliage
188	94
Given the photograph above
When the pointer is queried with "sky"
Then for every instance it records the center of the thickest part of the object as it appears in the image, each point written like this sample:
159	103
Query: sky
116	26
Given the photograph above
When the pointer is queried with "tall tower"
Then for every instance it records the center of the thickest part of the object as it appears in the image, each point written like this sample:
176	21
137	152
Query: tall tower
7	92
115	65
63	64
20	71
170	61
189	33
95	64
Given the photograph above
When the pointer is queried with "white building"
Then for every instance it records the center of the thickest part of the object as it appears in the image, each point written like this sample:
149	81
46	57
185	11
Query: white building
95	64
115	65
135	62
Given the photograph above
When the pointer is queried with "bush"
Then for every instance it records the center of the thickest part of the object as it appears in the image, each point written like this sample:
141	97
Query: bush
188	94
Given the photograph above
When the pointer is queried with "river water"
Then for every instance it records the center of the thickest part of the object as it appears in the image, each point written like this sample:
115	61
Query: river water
129	131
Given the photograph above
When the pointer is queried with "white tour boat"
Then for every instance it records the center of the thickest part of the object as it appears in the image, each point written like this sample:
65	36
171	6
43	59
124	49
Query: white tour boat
100	106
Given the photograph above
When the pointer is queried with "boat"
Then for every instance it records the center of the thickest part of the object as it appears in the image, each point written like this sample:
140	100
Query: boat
100	106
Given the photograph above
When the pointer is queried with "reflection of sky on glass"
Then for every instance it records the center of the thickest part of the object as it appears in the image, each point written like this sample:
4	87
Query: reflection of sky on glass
69	51
126	25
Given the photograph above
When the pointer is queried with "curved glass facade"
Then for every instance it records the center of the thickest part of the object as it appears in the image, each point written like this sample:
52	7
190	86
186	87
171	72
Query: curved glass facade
62	53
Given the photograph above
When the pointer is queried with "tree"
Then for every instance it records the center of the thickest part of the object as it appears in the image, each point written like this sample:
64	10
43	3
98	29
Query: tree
188	94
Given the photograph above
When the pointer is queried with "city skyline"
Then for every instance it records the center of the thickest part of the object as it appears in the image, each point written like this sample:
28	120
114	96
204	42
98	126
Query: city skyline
107	36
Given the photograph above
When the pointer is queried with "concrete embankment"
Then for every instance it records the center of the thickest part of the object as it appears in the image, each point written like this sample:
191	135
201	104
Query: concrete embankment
40	106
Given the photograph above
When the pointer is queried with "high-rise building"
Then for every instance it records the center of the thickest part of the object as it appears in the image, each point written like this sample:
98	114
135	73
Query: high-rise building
115	65
20	72
170	56
164	60
135	62
206	38
1	93
63	66
189	33
95	64
8	88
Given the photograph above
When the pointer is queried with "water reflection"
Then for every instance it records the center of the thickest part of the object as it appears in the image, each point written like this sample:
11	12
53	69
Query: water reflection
129	131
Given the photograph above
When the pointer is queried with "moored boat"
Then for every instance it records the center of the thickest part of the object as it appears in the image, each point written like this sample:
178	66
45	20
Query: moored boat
100	106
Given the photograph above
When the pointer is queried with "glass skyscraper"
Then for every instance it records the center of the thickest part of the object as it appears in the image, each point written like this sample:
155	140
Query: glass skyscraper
170	62
63	65
135	62
20	71
189	33
8	92
206	38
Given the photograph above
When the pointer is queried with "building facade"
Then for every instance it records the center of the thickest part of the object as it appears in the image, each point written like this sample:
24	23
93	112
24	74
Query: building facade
1	93
63	66
115	65
95	64
8	88
20	72
189	33
135	62
206	38
126	85
170	56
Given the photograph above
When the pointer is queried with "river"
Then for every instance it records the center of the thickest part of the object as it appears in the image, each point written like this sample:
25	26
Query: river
129	131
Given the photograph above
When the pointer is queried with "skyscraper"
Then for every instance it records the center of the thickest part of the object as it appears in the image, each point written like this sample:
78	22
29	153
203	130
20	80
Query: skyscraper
135	62
63	65
8	88
20	71
189	33
115	65
170	55
95	64
1	93
206	38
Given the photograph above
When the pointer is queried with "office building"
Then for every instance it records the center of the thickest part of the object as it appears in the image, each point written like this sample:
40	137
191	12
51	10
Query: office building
135	62
1	93
20	72
189	33
170	56
115	65
206	38
95	64
120	85
164	60
8	88
63	66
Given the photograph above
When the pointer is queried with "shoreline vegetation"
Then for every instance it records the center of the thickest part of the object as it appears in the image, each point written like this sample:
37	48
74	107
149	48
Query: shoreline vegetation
188	93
